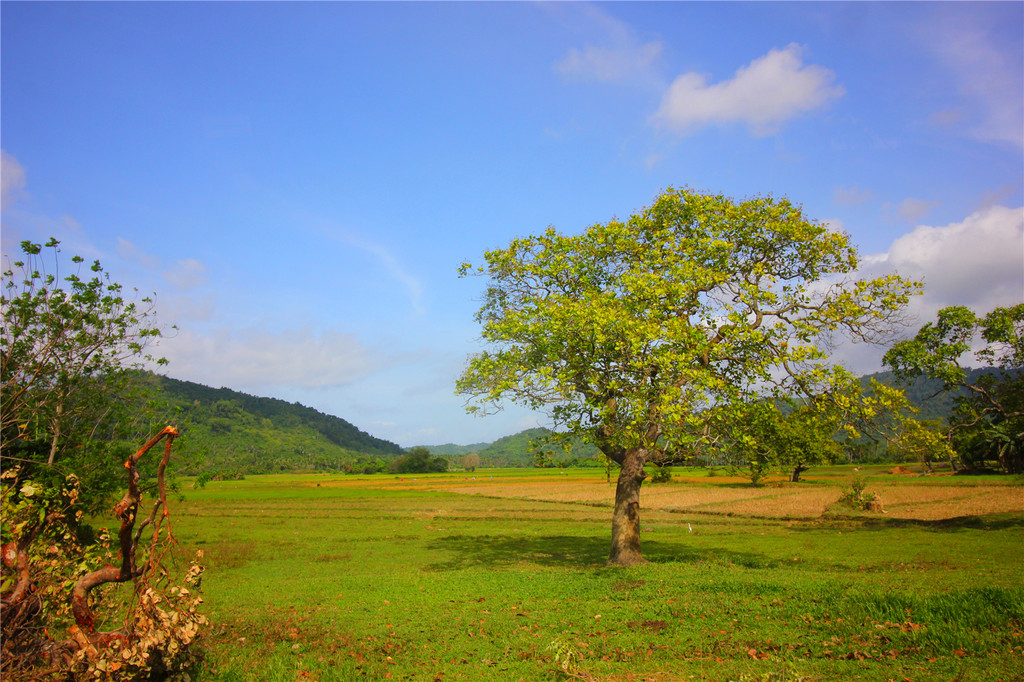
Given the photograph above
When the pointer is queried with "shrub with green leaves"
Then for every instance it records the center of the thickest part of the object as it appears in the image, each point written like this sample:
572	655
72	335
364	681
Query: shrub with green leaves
44	564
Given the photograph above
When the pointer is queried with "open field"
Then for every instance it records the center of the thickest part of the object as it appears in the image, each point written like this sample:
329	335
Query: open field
499	575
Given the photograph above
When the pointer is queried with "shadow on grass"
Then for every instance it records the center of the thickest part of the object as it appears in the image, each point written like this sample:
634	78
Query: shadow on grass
988	522
468	551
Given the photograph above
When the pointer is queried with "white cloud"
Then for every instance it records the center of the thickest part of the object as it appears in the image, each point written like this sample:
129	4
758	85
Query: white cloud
133	254
186	274
12	179
181	309
764	94
978	263
253	359
652	160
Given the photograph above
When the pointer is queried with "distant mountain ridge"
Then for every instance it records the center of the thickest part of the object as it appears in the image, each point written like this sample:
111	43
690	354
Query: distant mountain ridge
230	432
515	450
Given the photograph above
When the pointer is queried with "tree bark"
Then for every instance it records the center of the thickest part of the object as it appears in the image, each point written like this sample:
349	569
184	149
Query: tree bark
126	510
626	517
797	470
56	434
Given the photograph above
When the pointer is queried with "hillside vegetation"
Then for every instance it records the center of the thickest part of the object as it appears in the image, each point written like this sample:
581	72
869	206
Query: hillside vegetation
228	433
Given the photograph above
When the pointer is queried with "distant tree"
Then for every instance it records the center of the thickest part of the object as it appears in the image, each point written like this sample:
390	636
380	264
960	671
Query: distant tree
988	422
418	460
471	461
922	442
796	433
630	333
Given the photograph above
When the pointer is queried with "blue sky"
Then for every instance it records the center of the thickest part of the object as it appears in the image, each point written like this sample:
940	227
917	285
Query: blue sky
298	182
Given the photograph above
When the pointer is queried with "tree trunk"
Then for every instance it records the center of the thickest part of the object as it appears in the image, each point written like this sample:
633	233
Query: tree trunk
626	518
797	470
56	434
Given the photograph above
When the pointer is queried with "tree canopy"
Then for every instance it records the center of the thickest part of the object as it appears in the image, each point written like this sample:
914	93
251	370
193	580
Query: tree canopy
635	333
988	421
67	344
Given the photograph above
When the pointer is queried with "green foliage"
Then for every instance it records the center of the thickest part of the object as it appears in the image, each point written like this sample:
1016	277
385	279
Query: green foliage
989	416
567	657
45	563
922	442
471	461
451	449
418	460
856	497
638	336
68	347
762	436
628	332
229	433
661	474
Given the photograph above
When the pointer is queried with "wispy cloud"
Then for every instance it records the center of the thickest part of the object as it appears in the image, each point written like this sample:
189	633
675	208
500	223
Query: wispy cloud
187	273
764	95
910	209
12	179
253	359
612	64
616	55
990	79
133	254
851	196
386	260
29	223
394	268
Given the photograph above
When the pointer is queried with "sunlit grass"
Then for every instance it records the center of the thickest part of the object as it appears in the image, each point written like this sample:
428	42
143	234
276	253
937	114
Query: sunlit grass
334	577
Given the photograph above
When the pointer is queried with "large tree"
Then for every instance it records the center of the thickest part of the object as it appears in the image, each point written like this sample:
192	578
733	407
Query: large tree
634	335
988	422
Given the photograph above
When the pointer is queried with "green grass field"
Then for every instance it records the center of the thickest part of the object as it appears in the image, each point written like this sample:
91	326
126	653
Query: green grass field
334	578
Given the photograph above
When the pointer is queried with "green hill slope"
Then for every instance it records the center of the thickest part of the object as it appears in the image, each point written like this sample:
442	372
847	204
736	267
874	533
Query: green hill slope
516	451
925	394
230	432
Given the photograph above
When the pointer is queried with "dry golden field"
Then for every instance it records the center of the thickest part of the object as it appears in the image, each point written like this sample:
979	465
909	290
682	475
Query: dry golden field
905	497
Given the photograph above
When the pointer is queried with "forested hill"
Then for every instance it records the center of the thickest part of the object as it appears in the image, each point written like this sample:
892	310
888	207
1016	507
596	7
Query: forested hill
926	394
228	431
516	451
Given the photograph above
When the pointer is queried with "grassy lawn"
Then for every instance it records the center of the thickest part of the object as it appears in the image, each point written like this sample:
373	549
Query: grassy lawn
499	575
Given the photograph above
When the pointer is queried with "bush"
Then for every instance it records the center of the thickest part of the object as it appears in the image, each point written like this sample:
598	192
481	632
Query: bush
661	475
856	498
46	562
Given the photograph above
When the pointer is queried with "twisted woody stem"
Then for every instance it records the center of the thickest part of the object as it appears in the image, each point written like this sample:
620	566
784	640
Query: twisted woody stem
126	511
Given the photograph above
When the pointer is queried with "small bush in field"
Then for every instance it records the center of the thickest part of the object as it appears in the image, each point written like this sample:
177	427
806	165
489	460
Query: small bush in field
661	475
856	497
